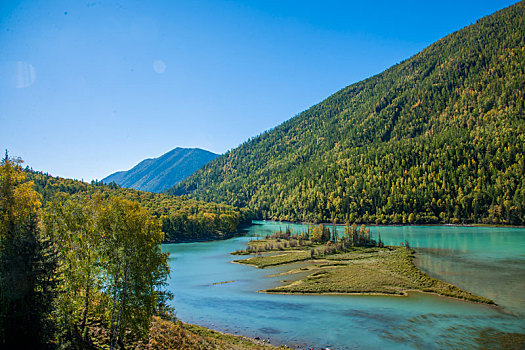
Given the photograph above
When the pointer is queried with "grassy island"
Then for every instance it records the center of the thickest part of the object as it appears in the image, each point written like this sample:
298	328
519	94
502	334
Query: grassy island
353	264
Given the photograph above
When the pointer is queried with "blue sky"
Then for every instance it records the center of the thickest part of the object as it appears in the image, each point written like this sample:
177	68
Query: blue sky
91	87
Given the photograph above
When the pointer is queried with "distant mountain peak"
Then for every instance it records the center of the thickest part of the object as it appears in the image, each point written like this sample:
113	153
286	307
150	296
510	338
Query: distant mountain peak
158	174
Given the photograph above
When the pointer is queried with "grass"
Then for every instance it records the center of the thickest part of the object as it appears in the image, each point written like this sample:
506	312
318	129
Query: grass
225	282
388	270
278	259
166	335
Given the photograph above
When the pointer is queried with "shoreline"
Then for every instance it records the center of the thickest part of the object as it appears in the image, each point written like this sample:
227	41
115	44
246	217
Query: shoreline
403	294
241	229
390	225
214	333
207	239
240	234
389	271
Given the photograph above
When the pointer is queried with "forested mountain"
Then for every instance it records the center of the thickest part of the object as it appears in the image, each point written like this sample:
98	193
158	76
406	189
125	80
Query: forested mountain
158	174
182	218
439	137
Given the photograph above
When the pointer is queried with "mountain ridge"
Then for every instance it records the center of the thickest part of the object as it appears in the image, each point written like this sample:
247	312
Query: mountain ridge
439	136
157	174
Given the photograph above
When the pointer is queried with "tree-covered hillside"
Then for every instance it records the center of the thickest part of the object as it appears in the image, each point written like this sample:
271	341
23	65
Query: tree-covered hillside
81	267
439	137
182	218
158	174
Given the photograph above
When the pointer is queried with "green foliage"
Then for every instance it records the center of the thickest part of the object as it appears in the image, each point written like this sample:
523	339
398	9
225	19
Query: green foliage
298	247
27	264
320	234
92	267
73	224
182	219
112	269
438	138
354	237
133	265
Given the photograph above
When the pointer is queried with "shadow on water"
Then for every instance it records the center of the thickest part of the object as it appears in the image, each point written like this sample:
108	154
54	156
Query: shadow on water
502	280
455	333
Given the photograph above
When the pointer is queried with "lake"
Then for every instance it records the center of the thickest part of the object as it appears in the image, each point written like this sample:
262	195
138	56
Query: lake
488	261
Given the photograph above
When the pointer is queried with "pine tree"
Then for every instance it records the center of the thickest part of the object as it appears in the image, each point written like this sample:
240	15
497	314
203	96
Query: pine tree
27	264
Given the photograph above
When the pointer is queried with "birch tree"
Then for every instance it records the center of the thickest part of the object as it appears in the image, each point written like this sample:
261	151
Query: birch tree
133	267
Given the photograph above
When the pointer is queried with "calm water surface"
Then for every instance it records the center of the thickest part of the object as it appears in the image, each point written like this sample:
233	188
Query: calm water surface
485	261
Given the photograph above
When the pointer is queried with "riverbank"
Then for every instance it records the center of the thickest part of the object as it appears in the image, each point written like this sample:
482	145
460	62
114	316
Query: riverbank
217	236
372	224
179	335
356	270
209	238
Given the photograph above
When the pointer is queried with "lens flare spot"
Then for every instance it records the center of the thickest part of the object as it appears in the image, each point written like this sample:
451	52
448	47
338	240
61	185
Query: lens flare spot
25	75
159	66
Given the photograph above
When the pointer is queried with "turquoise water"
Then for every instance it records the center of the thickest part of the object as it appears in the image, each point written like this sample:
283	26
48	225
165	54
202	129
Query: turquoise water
485	261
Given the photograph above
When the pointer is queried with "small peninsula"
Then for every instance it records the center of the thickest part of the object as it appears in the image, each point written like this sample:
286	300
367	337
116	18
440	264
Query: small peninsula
352	264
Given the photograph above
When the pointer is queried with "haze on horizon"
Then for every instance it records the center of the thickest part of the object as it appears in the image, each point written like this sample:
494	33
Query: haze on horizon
92	87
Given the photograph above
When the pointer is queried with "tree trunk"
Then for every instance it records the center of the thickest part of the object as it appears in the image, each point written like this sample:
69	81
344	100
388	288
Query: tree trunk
86	306
123	299
112	334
